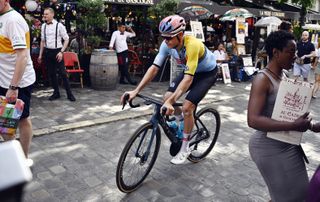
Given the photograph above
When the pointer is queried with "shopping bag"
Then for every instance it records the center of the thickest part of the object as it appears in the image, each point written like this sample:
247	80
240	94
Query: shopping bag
293	100
9	116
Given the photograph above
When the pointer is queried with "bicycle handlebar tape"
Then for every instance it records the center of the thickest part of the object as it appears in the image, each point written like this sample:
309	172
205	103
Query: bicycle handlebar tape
133	105
164	110
125	100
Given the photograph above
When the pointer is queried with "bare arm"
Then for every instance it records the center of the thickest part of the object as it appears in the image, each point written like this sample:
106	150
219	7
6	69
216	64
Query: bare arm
133	34
150	74
22	59
257	101
64	47
41	51
312	54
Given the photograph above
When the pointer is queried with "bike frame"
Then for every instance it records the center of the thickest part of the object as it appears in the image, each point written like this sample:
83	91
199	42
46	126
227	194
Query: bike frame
158	119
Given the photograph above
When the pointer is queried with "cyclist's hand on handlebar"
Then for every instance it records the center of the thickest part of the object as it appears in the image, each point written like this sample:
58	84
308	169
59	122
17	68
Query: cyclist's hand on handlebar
169	107
132	94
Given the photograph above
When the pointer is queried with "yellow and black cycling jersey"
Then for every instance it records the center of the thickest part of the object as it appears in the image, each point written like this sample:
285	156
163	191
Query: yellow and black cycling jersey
193	57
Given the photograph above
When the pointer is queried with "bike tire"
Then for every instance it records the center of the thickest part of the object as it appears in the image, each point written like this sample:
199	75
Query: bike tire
122	183
202	115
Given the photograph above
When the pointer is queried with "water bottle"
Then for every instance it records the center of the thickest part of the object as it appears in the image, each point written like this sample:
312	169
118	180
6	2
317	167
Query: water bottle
174	127
180	129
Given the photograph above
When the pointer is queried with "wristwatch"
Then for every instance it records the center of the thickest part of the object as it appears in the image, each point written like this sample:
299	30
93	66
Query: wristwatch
11	87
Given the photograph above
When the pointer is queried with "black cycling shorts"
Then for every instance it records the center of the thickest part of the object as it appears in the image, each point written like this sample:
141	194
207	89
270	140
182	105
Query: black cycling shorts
24	94
201	84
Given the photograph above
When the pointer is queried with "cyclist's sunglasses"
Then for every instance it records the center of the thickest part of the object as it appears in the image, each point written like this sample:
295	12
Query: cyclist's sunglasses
167	38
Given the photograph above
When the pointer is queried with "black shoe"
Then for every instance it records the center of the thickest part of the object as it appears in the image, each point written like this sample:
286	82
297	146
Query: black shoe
54	96
123	82
133	83
71	98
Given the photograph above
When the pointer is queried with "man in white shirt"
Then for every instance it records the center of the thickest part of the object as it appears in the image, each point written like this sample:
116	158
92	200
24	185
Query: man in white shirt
16	70
220	54
52	33
119	42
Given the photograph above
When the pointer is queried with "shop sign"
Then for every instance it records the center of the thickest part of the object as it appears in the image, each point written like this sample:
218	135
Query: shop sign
197	31
132	2
272	13
240	30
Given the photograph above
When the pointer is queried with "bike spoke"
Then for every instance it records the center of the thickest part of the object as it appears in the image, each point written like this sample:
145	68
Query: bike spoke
134	168
204	134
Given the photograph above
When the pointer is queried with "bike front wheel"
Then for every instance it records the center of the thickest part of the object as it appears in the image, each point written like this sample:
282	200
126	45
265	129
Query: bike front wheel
207	125
136	160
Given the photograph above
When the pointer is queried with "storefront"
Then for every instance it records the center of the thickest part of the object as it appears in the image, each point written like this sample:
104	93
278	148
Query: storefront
133	13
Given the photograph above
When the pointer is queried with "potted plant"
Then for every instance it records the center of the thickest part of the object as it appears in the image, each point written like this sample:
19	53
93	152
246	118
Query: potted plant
90	19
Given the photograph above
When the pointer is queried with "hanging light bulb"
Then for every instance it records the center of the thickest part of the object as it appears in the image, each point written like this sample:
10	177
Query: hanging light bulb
31	5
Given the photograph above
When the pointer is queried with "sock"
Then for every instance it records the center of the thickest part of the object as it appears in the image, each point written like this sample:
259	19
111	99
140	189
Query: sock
185	144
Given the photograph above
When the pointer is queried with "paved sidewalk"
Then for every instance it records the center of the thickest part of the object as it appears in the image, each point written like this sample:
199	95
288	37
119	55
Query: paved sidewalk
97	107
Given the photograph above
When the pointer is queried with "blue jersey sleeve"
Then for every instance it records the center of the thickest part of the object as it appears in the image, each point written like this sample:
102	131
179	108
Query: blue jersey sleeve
162	55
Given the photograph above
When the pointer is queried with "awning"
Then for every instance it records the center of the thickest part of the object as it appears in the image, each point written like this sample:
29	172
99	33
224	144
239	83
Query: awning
206	4
217	9
269	10
133	2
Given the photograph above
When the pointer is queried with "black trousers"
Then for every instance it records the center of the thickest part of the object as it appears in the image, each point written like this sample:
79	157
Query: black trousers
54	67
123	62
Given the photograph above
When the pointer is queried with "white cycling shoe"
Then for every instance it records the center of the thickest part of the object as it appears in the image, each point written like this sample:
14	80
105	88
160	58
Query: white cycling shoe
29	162
181	157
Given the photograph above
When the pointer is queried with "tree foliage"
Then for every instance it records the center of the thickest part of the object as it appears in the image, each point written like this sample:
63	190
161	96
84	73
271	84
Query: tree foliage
305	5
90	19
163	9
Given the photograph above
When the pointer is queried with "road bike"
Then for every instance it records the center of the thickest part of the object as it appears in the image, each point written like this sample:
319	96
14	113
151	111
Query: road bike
141	151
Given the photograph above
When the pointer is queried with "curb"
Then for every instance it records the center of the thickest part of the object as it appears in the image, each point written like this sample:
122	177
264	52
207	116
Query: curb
109	119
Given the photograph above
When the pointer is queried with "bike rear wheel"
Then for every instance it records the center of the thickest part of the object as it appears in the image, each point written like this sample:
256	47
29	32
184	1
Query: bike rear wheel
207	125
135	163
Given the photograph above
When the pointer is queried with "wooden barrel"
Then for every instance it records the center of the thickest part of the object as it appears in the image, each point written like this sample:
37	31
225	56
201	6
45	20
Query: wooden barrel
104	70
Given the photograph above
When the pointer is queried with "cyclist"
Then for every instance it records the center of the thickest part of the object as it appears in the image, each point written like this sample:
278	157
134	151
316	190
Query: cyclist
199	75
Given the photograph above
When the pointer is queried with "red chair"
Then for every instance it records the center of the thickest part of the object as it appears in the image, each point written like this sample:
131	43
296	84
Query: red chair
40	69
72	64
135	65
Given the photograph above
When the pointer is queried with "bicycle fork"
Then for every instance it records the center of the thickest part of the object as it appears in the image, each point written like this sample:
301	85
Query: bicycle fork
144	157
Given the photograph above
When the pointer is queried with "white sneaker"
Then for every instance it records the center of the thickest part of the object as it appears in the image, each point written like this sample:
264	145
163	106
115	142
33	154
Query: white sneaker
29	163
181	157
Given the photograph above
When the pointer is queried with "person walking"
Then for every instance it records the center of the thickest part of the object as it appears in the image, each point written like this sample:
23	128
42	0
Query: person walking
316	69
52	33
119	42
16	73
286	26
306	51
280	164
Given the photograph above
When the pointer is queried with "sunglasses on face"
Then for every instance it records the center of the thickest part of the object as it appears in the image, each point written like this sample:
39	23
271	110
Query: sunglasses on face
167	38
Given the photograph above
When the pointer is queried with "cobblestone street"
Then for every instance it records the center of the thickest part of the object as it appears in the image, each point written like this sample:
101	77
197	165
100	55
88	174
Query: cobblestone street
80	164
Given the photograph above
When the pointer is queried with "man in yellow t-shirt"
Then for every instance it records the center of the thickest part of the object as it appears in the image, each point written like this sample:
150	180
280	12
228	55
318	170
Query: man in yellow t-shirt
16	70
